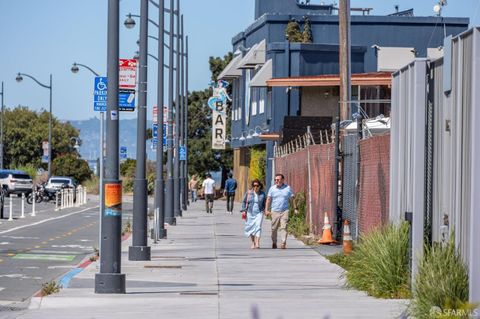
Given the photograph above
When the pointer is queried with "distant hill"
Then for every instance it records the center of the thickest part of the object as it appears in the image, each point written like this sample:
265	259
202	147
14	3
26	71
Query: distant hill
90	136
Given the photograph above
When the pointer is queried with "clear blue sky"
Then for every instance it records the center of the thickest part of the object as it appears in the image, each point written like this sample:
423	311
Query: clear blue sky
40	37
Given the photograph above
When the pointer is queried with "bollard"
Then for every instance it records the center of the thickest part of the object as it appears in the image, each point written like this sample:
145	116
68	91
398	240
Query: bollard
33	205
56	202
23	206
71	197
10	215
62	199
84	195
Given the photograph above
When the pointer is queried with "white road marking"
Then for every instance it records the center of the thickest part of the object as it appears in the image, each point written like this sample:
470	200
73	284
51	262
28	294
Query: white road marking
47	220
73	246
60	252
84	240
19	237
1	288
20	276
60	267
4	243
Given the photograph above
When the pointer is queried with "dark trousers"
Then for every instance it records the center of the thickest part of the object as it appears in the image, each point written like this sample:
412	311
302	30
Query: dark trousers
230	198
209	202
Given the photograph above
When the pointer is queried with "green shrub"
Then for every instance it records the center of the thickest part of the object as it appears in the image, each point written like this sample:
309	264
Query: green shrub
441	282
380	263
50	288
29	169
92	185
297	224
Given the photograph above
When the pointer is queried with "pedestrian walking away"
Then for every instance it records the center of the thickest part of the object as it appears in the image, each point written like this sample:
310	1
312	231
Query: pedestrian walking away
229	192
192	187
209	192
253	204
279	198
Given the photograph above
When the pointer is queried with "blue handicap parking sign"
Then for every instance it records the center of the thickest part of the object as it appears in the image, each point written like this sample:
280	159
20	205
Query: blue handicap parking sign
182	153
100	94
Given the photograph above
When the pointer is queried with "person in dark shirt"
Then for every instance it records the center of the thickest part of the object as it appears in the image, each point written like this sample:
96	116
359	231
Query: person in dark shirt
229	192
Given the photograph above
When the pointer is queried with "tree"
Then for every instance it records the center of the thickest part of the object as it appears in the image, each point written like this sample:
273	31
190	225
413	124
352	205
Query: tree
217	64
71	165
24	132
307	32
292	31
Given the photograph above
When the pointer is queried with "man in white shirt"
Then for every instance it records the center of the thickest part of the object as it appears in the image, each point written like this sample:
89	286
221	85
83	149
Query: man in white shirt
209	191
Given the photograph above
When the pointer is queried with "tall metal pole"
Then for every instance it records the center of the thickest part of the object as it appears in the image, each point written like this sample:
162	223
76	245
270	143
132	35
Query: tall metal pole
186	119
161	232
183	174
169	212
50	132
110	279
139	249
101	162
176	163
1	130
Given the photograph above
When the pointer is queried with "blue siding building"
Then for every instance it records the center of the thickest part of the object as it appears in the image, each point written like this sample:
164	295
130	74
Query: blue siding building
378	43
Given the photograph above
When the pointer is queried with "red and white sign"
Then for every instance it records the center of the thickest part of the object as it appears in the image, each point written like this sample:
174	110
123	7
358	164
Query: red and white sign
127	74
165	114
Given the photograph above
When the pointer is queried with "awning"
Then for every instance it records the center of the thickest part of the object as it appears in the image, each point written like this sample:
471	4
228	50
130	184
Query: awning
231	71
264	74
363	79
255	56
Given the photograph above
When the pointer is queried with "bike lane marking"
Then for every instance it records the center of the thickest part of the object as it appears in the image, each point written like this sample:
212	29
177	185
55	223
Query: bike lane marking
47	220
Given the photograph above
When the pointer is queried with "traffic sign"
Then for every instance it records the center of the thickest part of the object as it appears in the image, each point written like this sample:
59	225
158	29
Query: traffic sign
123	152
127	74
182	152
126	99
100	94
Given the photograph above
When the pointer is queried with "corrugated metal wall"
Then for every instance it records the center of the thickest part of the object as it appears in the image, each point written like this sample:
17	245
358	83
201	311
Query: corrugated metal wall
449	178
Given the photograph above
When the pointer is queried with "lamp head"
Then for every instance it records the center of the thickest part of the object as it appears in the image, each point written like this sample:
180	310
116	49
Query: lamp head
19	78
137	55
74	68
129	22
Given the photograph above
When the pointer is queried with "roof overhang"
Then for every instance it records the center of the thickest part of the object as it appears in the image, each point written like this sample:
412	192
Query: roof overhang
255	56
263	75
231	71
363	79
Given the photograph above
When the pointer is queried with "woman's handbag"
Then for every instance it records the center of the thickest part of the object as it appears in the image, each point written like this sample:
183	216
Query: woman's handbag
244	212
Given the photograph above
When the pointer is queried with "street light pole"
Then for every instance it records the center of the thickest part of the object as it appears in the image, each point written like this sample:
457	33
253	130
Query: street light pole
176	163
185	115
19	79
169	209
110	279
183	179
75	69
139	249
160	232
1	129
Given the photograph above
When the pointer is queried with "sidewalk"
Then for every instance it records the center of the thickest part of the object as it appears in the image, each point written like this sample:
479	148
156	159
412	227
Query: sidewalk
205	269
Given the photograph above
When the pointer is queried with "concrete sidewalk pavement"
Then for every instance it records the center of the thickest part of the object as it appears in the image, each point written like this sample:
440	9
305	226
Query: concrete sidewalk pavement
205	269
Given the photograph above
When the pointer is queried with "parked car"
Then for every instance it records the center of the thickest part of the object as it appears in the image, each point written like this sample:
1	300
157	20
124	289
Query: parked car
56	183
15	182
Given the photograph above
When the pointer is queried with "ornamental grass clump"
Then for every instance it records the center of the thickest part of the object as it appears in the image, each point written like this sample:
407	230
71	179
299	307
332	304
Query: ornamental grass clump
380	264
441	285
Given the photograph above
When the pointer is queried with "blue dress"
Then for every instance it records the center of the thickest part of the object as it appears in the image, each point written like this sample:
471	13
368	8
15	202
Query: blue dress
253	224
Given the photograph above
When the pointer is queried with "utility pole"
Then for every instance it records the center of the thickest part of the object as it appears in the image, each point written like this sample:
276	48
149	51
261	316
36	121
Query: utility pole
161	232
344	51
176	163
169	209
139	249
110	279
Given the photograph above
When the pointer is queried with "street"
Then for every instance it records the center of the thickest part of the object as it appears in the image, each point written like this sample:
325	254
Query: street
36	250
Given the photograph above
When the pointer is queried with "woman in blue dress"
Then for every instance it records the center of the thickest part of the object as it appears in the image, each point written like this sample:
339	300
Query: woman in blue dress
254	204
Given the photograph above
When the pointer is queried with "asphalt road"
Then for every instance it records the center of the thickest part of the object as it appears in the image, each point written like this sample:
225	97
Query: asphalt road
37	250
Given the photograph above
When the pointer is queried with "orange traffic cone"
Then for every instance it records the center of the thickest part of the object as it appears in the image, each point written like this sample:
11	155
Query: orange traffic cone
347	238
327	231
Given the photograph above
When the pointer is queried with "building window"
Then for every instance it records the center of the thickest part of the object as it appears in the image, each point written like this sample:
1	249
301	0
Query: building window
254	101
261	103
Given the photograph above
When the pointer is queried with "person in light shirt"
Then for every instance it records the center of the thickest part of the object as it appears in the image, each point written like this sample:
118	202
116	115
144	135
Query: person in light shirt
278	200
209	191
